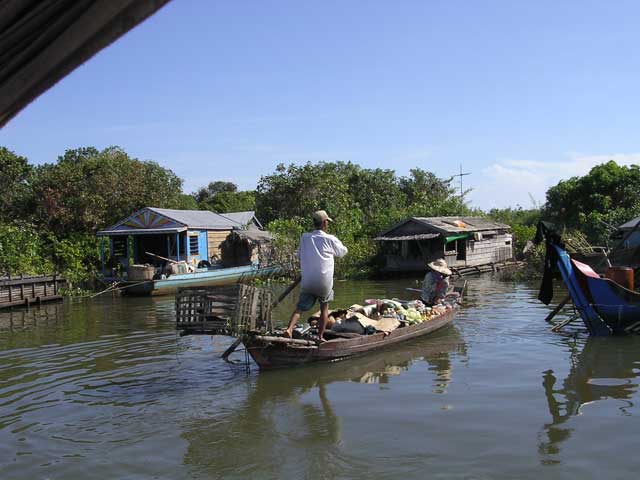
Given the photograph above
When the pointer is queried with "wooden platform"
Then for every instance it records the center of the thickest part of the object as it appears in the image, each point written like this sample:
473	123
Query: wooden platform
27	290
491	267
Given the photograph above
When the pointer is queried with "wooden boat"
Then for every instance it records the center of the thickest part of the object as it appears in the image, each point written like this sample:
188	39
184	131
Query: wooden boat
271	352
605	307
245	312
201	277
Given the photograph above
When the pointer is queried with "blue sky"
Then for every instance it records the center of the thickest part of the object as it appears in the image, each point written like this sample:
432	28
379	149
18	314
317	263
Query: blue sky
522	94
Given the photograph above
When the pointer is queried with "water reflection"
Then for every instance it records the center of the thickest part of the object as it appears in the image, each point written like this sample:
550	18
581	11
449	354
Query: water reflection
21	318
291	411
600	369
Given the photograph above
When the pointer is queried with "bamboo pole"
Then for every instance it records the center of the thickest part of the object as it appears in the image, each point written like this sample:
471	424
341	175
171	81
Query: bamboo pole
556	310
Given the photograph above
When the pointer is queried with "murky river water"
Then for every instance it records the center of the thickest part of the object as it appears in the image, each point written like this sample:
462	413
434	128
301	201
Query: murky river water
105	389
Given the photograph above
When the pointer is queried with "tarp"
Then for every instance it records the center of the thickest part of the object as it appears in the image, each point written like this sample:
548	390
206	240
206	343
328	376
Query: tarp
453	238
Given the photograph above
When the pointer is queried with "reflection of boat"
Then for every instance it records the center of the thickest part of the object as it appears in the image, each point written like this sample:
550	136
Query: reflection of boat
605	306
601	370
286	425
378	368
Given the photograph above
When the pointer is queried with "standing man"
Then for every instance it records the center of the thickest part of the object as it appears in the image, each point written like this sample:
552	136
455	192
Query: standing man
316	253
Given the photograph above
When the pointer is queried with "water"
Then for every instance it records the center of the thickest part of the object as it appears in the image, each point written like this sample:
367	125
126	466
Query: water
105	389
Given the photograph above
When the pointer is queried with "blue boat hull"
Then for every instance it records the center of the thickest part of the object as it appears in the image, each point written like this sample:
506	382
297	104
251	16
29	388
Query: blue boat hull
209	277
605	307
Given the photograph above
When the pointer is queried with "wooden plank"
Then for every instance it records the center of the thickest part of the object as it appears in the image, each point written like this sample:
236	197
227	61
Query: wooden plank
26	280
27	301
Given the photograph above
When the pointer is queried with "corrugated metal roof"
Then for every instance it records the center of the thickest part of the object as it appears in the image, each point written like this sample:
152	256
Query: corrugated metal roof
165	220
243	218
422	236
462	224
630	224
450	225
205	219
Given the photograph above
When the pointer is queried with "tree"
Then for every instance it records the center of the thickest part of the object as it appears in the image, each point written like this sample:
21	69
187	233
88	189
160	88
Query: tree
224	197
15	177
426	195
362	201
89	189
208	193
597	202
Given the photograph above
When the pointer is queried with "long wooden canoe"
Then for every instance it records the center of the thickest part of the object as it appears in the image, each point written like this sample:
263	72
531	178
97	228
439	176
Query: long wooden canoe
271	352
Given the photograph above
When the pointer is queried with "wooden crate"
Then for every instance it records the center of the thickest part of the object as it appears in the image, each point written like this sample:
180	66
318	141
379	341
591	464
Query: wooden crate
223	310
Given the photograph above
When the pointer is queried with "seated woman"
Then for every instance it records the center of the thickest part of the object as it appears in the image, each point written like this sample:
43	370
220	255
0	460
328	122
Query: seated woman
435	285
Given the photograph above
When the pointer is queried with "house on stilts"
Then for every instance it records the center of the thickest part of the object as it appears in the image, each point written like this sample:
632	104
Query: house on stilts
468	244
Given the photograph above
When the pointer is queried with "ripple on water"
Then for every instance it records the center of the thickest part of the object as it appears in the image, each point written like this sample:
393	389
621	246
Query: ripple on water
107	387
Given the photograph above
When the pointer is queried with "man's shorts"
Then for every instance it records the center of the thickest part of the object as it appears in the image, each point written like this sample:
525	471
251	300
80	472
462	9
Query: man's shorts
307	300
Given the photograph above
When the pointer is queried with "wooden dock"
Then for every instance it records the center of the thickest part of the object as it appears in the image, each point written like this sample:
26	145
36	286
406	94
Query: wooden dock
28	290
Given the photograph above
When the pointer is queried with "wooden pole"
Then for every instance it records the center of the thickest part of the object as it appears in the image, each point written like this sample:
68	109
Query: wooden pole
286	292
102	254
559	307
160	257
231	349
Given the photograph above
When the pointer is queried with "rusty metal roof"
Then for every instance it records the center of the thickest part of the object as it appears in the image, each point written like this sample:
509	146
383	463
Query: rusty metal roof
444	225
422	236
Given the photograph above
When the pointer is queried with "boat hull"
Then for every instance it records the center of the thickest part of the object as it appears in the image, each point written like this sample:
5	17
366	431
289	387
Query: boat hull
270	355
213	277
606	308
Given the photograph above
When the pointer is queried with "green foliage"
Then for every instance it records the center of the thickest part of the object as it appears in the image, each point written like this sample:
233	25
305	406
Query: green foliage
22	252
523	224
49	214
15	178
89	189
362	202
206	194
597	202
76	256
224	197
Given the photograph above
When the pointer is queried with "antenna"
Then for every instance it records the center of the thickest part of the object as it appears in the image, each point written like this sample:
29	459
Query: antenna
461	175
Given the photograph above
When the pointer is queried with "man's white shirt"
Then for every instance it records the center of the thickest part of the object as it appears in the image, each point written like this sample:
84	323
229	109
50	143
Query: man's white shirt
316	253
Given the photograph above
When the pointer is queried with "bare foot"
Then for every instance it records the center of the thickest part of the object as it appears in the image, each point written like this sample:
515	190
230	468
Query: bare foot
321	340
286	334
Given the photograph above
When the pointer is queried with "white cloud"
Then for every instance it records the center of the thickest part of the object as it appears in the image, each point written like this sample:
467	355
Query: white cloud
515	182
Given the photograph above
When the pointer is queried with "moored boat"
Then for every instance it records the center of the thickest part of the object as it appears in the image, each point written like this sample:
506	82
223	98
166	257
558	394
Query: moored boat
605	306
201	277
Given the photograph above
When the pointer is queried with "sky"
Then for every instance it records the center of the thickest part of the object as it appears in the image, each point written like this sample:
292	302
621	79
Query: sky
520	94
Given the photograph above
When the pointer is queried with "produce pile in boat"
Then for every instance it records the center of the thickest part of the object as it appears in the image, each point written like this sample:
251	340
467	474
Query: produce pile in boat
376	315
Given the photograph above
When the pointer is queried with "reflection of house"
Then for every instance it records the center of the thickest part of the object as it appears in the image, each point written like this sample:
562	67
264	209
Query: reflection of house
191	235
461	241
